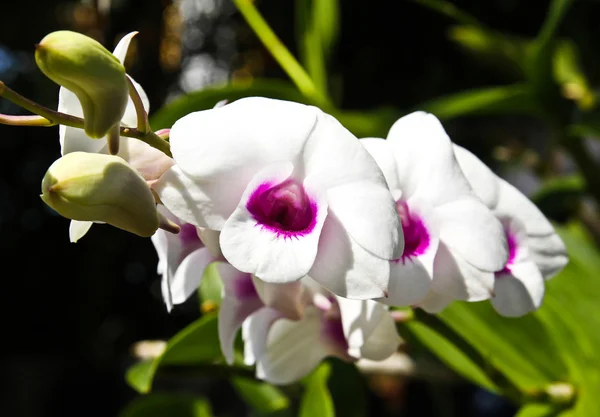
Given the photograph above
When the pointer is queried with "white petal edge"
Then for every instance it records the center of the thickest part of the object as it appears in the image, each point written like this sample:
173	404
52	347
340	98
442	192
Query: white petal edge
78	229
519	292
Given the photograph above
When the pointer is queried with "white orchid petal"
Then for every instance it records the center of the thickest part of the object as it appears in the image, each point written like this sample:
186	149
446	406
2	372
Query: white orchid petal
73	139
272	254
294	348
289	298
520	291
383	340
549	254
434	303
255	331
121	49
345	267
483	181
148	161
78	229
210	238
189	274
470	229
130	116
410	280
369	215
381	151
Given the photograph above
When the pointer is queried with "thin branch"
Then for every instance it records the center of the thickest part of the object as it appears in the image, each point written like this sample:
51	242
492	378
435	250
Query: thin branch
140	111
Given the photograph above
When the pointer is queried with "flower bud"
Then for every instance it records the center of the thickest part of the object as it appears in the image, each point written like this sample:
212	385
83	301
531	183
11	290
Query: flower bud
101	188
91	72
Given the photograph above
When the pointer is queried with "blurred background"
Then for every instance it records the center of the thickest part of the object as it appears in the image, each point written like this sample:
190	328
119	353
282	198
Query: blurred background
72	311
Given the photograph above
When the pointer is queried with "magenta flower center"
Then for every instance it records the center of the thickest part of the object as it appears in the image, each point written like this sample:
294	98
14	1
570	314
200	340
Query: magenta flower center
244	289
284	208
511	241
190	241
416	236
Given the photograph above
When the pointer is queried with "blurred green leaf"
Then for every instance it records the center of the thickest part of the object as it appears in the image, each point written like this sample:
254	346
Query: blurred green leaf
316	400
210	289
513	99
537	410
197	344
450	10
558	197
162	405
570	76
317	27
261	396
500	51
348	389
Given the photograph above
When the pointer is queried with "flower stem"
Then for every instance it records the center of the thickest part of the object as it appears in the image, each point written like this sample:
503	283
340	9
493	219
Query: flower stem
279	51
140	111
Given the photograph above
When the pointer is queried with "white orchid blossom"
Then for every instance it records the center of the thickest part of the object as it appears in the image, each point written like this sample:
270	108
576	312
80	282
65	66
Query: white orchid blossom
536	251
148	161
183	258
292	192
288	329
453	243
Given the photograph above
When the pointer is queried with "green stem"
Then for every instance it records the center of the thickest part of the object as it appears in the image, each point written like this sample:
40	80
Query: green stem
287	61
140	111
53	118
7	119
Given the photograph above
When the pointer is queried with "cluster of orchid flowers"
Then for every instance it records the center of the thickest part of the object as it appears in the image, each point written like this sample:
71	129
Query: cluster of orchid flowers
315	233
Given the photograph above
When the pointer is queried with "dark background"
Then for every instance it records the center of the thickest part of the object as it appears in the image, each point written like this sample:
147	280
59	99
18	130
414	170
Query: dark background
72	311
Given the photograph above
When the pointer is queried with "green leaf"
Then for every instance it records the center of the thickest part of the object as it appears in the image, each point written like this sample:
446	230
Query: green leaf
571	77
261	396
348	389
450	10
513	99
537	410
317	27
161	405
197	344
316	400
210	289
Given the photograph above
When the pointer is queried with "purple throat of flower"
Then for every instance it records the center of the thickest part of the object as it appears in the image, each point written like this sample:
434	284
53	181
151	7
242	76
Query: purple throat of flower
284	209
416	236
190	241
511	241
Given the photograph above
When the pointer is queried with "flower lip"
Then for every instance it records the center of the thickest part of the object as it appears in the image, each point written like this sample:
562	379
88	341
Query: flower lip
284	208
511	241
188	234
416	236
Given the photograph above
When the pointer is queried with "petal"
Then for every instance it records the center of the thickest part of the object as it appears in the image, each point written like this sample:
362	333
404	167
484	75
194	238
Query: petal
519	292
236	306
204	204
271	256
241	137
130	115
381	151
457	279
410	281
255	331
121	49
73	139
346	268
210	238
368	213
294	348
481	179
189	274
78	229
470	229
366	325
434	303
512	203
425	159
549	254
148	161
289	299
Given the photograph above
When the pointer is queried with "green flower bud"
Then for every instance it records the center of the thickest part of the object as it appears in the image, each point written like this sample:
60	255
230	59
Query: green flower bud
102	188
91	72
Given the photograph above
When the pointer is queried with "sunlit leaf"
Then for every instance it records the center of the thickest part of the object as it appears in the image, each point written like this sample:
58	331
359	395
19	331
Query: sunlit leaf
316	400
261	396
537	410
571	77
161	405
210	289
513	99
197	344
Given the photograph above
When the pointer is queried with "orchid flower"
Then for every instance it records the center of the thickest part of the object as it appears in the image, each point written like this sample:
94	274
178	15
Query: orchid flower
292	192
286	340
148	161
536	252
183	258
453	243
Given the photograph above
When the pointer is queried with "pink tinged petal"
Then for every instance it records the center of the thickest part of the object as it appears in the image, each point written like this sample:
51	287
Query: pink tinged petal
425	159
368	213
78	229
484	182
294	349
470	230
333	156
381	151
255	331
457	279
434	303
549	254
204	204
513	203
289	299
121	49
368	328
345	268
274	232
519	291
241	138
148	161
187	278
240	300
